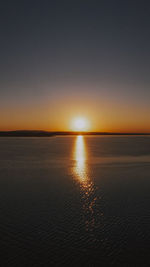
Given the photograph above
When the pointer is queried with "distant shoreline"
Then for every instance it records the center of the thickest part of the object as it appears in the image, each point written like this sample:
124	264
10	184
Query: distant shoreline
26	133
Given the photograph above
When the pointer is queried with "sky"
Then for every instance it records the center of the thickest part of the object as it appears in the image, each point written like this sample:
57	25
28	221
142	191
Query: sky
64	59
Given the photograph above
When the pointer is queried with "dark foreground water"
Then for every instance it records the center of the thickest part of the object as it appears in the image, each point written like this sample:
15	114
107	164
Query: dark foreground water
75	201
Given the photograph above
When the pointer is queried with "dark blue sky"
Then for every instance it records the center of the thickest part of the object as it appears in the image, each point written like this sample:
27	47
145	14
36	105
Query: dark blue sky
57	51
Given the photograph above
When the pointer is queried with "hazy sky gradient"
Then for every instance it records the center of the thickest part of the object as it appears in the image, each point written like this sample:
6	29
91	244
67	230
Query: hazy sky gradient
62	59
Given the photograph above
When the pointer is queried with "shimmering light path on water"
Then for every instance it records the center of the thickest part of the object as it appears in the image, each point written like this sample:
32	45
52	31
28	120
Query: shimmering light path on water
82	173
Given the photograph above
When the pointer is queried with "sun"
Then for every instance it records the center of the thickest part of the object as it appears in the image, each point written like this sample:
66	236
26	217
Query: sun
80	124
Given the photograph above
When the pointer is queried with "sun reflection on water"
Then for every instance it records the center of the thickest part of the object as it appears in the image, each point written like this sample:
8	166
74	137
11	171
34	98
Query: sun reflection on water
82	175
80	157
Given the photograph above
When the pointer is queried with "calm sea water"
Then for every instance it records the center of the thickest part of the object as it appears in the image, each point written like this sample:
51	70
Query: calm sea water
75	201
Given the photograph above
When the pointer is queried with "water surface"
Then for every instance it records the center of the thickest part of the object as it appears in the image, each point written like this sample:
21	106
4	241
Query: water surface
81	201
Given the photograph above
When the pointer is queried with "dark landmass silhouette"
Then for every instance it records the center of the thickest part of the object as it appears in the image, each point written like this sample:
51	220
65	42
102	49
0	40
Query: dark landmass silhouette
34	133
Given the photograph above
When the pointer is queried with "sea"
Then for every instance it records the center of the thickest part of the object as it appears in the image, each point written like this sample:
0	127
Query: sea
75	201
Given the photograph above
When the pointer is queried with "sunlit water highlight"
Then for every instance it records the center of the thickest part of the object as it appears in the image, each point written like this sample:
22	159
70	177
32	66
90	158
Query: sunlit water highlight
81	173
80	155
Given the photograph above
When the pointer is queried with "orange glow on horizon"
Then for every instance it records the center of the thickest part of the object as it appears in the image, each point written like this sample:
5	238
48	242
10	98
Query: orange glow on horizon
96	117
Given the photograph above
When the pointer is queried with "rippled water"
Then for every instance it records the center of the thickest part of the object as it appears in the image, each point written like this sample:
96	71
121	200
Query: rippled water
75	201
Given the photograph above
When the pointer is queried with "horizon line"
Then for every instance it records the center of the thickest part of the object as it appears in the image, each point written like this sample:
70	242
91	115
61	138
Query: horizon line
38	133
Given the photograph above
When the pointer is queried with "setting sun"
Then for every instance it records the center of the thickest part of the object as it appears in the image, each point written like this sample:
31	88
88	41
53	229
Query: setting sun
80	124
